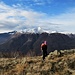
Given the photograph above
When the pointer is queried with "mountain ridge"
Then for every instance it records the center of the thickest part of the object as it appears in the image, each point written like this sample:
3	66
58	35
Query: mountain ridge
30	42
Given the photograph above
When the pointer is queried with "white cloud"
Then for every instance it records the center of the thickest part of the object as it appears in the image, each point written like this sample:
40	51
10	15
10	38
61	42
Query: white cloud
36	2
15	18
42	2
67	20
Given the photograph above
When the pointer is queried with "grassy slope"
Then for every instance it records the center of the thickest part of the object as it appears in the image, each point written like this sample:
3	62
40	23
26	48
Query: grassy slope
54	64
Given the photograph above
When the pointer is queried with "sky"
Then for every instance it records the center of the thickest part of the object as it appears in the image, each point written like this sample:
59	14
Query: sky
50	15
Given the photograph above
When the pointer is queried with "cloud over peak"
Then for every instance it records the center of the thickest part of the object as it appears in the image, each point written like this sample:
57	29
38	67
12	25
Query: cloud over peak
12	18
16	17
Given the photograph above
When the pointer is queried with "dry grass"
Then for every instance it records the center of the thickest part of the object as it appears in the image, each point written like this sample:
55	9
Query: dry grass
54	64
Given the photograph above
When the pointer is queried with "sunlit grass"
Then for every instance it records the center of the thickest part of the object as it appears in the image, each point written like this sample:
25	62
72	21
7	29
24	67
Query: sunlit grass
54	64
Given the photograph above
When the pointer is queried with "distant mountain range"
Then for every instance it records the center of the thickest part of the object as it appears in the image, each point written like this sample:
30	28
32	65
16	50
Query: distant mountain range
30	42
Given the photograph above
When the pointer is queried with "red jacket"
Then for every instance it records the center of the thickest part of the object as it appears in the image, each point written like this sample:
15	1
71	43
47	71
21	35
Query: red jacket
43	46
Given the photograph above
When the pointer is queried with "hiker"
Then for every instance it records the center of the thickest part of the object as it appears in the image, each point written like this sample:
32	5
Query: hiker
44	49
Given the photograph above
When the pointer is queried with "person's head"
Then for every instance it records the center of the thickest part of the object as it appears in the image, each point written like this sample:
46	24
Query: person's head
45	42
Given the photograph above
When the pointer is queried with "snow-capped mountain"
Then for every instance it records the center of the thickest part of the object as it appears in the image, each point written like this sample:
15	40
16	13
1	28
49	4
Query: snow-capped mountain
36	30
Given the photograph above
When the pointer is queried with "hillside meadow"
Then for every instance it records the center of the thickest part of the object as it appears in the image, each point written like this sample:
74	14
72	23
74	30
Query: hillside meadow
56	63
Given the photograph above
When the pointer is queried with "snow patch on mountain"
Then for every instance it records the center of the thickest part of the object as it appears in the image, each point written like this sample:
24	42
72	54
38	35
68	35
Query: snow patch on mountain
36	30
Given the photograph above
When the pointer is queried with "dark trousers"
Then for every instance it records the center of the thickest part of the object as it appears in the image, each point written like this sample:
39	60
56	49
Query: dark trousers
44	54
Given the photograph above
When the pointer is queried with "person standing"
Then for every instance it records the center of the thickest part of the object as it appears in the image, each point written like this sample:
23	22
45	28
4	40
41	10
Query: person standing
44	49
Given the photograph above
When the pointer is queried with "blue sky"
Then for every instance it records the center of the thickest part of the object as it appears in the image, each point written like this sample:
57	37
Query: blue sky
51	15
